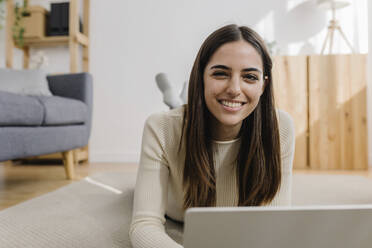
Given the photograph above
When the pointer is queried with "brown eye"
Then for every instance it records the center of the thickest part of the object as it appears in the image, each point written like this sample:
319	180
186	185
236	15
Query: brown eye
251	77
220	74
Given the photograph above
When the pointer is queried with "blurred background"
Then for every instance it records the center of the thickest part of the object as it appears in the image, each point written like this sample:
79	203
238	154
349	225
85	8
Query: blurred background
131	41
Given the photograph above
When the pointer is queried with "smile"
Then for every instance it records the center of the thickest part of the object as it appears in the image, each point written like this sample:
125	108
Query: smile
231	105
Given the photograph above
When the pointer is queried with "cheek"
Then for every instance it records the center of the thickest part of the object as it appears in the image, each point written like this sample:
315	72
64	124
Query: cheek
207	90
211	89
253	92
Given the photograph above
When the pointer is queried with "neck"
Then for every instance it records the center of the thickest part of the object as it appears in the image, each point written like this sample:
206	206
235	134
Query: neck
222	132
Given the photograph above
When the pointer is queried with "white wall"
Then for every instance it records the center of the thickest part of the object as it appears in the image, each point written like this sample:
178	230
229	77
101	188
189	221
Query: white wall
369	86
133	40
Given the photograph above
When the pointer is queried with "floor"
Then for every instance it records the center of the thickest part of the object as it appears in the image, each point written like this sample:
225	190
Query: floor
21	182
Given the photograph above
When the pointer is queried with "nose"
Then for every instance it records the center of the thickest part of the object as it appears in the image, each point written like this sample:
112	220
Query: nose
233	87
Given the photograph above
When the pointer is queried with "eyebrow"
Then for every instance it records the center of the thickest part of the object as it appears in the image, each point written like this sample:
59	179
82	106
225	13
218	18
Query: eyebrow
228	68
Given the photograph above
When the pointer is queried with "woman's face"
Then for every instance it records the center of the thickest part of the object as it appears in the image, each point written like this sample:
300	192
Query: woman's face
233	83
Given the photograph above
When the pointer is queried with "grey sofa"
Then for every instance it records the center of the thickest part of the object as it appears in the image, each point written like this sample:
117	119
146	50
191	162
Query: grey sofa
38	125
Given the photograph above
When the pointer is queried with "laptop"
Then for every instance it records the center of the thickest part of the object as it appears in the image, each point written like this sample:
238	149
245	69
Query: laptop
336	226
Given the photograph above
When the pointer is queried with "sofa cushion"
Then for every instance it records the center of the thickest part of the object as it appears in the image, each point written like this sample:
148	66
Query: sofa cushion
63	111
18	110
24	82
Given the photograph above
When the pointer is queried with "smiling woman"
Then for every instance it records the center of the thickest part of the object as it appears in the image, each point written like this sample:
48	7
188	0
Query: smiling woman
233	84
228	146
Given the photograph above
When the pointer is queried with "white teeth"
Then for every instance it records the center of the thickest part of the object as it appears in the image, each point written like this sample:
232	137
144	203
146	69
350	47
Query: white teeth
231	104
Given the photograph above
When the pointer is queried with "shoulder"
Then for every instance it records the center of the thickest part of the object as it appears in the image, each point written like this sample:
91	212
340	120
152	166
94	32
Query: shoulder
162	134
166	118
285	120
166	126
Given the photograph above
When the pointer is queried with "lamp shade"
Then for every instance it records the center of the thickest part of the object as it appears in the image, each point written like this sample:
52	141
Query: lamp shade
306	14
333	4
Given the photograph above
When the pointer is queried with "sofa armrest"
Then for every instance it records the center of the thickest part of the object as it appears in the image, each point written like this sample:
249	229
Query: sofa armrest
78	86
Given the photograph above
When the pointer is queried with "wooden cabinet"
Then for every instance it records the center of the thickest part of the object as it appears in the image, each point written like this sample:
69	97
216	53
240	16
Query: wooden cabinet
290	89
326	96
73	40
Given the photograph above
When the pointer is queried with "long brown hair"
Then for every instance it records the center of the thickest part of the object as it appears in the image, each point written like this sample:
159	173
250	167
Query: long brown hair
258	166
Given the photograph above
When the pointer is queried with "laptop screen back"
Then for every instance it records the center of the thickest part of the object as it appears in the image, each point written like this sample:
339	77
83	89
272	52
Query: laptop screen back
269	227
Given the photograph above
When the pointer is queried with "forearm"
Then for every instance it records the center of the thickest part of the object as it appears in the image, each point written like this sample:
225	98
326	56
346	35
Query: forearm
150	233
151	193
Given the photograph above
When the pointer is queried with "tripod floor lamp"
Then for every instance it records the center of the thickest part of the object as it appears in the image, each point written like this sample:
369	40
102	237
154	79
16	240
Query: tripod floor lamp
334	26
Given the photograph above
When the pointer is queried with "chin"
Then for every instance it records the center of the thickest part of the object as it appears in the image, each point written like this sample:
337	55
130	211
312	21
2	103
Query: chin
230	121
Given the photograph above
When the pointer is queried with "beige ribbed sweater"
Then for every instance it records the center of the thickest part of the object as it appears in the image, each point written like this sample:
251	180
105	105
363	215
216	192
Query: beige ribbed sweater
158	188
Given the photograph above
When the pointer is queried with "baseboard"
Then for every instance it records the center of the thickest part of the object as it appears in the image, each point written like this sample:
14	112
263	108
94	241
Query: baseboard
107	157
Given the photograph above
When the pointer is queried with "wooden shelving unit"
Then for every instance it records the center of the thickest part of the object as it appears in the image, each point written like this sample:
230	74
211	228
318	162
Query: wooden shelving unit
82	39
47	41
73	41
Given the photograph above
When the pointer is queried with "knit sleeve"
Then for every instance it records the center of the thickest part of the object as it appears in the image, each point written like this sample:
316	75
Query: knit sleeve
287	147
150	196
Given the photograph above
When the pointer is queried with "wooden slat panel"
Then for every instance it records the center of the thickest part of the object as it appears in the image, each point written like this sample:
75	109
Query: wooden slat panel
358	114
337	100
290	89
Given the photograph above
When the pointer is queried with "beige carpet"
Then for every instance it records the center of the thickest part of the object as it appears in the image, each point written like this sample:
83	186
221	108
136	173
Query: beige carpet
331	189
96	212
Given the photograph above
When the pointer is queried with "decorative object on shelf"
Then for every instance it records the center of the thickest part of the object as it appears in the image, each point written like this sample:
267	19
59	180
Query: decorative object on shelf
58	24
333	26
38	60
34	22
18	29
58	20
